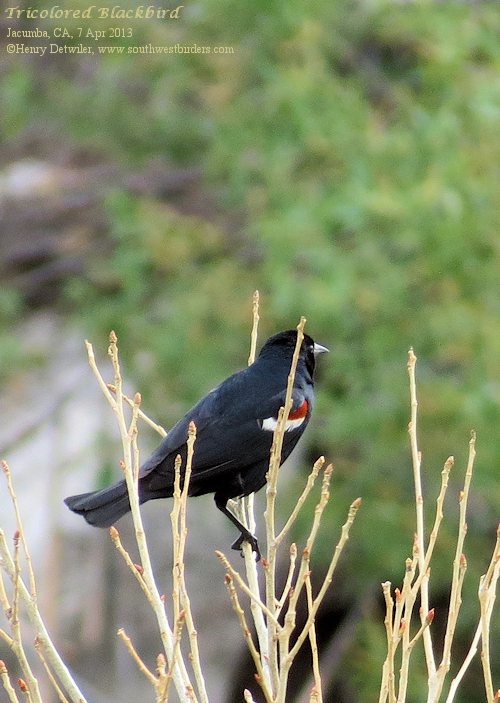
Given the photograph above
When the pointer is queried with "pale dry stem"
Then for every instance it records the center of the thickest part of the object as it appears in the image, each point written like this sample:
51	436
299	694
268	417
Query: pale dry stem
486	594
131	468
185	600
289	579
142	415
274	656
419	503
247	696
459	567
317	466
22	537
317	695
26	595
136	569
406	599
318	599
388	681
306	554
261	679
244	510
4	675
54	683
166	676
248	591
136	657
272	480
398	618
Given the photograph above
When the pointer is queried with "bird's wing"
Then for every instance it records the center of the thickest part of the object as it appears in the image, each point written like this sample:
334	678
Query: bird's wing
229	432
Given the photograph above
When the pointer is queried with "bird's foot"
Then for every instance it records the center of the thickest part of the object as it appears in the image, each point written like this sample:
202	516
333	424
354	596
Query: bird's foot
252	541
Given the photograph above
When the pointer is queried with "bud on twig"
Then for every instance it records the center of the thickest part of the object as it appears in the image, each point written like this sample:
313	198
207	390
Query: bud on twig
22	685
161	664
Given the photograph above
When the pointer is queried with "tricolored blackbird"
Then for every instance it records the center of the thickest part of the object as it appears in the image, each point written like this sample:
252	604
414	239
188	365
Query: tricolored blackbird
234	434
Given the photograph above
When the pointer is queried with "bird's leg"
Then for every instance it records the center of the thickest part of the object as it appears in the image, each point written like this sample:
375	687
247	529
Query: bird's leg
245	535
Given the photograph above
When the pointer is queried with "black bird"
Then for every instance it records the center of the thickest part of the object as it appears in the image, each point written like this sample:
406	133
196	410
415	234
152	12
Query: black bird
234	434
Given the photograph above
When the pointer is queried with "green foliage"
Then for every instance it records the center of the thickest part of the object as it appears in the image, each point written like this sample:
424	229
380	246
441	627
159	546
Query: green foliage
353	148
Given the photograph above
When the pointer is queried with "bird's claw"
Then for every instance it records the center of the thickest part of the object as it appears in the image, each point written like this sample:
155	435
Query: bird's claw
252	541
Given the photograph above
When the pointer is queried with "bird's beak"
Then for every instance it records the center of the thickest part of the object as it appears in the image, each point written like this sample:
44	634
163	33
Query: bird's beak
319	349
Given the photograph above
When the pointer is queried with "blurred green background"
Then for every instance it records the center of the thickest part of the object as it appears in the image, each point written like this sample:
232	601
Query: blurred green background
344	160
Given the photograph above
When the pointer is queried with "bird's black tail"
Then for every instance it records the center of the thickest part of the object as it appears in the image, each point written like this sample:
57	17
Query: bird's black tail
101	508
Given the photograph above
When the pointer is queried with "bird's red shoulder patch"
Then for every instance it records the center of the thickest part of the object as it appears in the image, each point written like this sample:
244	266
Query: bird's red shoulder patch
300	413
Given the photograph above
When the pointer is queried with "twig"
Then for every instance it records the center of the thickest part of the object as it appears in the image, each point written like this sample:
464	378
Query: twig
388	687
317	466
436	682
445	474
136	569
317	696
22	537
485	651
272	546
4	675
246	514
186	603
419	502
289	579
261	679
487	595
407	596
401	630
11	565
248	591
158	428
55	685
180	675
346	527
305	561
488	584
174	519
255	327
135	656
42	635
288	654
164	686
27	595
